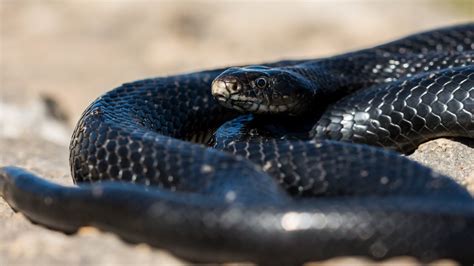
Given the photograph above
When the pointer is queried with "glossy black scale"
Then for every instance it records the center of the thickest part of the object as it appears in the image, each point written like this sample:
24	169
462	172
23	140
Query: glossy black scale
300	197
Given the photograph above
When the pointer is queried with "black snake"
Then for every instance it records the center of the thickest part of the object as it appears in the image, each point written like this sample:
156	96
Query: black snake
288	187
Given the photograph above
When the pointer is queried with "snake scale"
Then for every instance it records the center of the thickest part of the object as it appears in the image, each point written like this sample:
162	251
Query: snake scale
282	179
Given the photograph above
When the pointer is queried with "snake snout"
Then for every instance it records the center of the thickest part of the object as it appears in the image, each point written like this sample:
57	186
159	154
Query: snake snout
225	87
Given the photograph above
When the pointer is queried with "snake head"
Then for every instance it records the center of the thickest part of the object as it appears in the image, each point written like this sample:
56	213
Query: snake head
263	90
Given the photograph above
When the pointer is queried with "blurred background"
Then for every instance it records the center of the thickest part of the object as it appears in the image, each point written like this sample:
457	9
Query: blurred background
58	56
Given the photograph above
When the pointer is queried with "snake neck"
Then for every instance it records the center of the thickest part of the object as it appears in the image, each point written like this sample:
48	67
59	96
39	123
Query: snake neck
335	77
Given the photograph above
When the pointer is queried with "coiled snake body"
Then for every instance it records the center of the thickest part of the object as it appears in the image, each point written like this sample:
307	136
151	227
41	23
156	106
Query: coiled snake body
288	186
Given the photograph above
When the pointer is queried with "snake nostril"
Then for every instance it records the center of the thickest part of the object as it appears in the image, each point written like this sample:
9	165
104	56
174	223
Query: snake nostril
233	85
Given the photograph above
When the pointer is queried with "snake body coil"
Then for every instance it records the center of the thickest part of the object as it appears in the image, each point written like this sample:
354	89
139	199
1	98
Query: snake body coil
291	190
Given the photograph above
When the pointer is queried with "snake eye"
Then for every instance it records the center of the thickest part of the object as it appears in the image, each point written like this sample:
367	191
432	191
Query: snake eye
261	82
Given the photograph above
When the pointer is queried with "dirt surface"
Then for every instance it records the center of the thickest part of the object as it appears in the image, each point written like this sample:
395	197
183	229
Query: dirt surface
57	56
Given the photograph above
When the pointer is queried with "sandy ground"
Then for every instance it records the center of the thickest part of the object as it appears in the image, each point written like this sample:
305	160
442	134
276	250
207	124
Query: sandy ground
57	56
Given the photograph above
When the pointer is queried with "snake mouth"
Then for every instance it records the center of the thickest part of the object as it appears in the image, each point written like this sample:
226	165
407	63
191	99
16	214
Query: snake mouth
251	105
226	91
225	88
